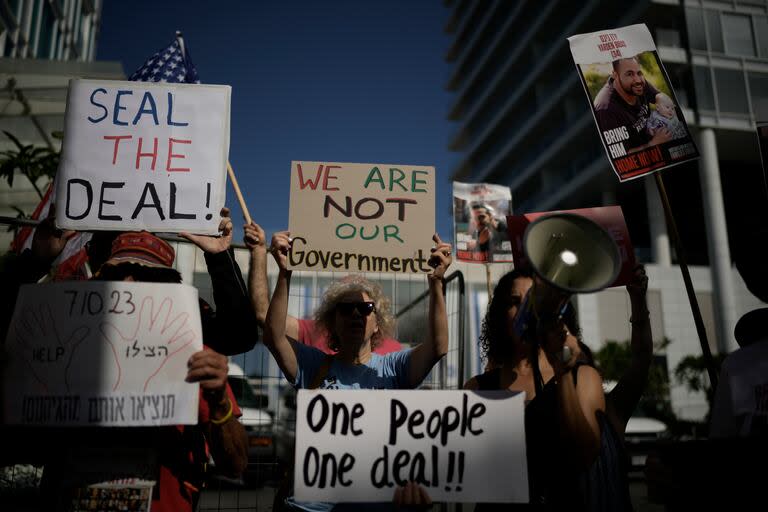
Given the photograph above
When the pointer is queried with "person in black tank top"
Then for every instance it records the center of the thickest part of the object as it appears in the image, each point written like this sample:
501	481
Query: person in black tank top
563	432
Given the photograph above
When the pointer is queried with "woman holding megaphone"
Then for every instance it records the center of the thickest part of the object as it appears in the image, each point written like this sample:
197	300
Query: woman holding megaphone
561	416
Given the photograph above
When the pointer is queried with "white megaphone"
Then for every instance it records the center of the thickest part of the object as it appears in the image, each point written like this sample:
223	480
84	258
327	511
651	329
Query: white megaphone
570	254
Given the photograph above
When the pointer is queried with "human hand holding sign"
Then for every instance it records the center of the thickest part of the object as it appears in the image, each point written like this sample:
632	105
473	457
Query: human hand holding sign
159	334
48	349
440	258
281	245
214	244
209	368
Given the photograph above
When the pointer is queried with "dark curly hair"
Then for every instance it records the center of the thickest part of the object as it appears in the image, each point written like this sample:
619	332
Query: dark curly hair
495	344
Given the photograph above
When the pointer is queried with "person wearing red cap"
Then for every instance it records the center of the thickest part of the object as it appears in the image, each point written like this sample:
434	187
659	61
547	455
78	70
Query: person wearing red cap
229	329
181	451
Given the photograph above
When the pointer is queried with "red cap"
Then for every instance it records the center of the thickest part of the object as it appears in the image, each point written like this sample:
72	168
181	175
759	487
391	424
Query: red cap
142	248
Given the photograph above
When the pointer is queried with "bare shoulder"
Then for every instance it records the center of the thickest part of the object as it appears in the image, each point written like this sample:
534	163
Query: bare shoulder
472	384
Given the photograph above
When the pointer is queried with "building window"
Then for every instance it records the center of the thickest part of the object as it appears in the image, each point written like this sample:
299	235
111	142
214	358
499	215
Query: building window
697	37
705	98
731	91
669	37
737	30
715	32
46	31
758	90
761	33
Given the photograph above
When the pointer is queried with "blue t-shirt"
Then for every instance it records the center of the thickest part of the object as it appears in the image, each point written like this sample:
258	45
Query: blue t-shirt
389	371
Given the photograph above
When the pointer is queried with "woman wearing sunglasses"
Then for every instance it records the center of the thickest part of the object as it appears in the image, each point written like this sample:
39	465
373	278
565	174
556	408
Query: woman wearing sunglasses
356	315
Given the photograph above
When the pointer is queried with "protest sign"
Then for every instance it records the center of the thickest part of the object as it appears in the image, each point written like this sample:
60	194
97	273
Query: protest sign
479	222
102	354
637	114
461	446
610	218
143	156
361	217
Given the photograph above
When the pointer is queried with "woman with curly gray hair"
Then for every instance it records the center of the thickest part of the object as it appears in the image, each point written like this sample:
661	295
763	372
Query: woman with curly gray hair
356	315
325	315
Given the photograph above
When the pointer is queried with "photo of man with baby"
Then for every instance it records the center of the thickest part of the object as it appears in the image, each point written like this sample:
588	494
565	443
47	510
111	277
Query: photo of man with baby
635	110
632	92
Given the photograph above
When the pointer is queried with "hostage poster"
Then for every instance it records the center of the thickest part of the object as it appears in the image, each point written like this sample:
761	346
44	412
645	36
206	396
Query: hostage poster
479	222
635	109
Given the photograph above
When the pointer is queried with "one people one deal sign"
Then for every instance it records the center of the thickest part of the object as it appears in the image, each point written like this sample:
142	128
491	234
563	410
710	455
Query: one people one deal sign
101	353
637	114
361	217
461	446
143	156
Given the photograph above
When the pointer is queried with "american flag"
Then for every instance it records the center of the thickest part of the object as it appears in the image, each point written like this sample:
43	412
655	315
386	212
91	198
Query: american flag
171	64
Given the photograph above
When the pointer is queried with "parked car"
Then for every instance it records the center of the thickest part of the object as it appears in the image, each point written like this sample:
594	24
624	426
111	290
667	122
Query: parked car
285	427
641	433
258	423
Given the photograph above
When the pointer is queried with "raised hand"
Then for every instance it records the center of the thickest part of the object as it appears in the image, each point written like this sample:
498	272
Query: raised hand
214	244
440	258
254	237
638	285
281	245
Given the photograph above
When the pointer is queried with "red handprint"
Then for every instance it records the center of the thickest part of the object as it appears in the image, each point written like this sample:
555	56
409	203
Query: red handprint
160	333
47	351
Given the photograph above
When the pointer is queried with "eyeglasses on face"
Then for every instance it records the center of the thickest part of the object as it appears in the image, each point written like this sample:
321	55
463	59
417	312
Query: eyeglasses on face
363	308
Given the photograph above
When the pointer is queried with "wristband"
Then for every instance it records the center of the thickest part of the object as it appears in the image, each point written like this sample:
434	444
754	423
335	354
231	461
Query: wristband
226	417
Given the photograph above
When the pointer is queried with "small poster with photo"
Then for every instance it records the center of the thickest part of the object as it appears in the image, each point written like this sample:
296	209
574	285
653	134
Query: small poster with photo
479	222
126	495
639	119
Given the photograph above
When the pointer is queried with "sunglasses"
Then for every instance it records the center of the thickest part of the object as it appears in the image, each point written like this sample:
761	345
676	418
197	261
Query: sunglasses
363	308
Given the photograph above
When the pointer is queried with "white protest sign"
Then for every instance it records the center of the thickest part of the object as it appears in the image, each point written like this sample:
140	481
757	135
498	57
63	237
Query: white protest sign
637	115
143	156
361	217
461	446
102	353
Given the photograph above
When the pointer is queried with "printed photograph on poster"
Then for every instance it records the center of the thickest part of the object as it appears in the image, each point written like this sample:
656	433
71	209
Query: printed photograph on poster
638	117
479	222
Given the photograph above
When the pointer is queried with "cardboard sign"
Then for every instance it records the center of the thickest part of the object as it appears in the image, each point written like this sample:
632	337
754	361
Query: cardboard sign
461	446
610	218
102	353
479	222
143	156
361	217
637	114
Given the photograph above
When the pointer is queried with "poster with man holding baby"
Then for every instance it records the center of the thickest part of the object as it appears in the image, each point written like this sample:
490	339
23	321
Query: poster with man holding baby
639	119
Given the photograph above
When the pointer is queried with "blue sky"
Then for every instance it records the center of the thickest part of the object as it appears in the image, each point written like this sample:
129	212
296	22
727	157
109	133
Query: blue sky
340	80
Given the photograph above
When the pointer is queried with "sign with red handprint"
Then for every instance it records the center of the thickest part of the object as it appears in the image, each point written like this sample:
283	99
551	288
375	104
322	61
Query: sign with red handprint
102	353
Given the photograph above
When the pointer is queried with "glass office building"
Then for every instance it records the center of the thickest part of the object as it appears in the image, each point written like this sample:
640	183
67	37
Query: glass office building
523	120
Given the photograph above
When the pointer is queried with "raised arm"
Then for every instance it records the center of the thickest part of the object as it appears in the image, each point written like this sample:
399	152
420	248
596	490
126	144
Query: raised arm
231	328
258	283
274	330
578	402
426	354
623	399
